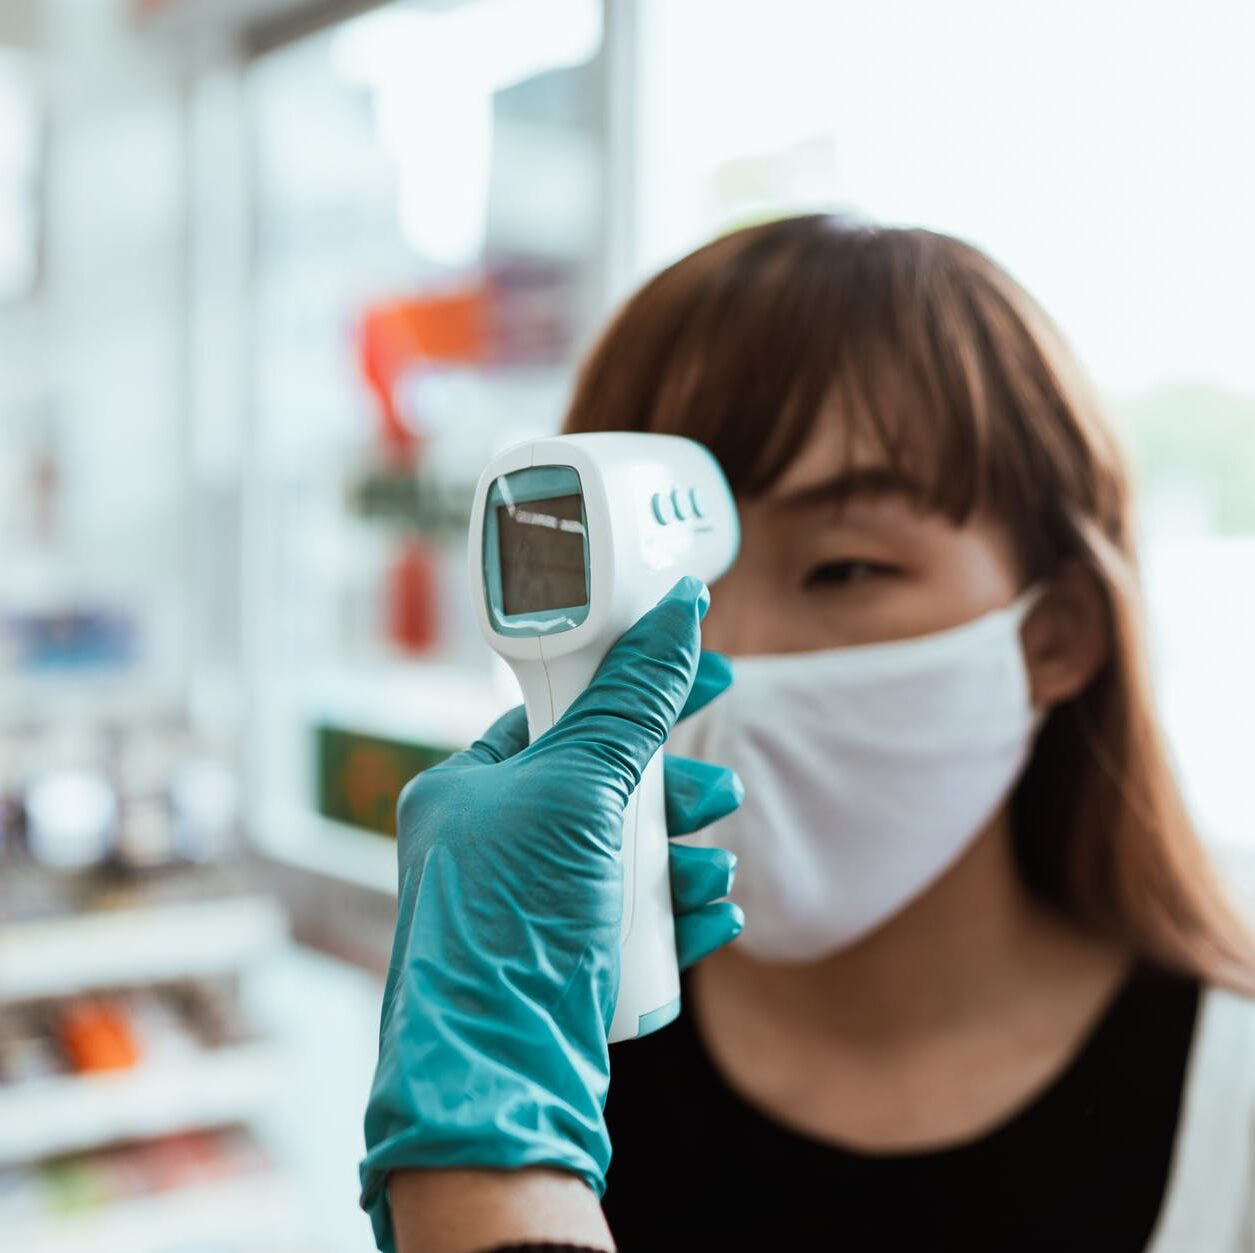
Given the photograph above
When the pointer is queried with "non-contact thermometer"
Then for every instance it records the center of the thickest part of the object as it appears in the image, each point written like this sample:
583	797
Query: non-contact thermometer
572	539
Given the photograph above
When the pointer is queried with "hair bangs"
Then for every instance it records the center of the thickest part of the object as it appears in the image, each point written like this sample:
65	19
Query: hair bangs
753	342
894	406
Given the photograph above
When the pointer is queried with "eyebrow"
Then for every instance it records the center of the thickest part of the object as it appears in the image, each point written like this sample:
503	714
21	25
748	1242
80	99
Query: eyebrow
839	490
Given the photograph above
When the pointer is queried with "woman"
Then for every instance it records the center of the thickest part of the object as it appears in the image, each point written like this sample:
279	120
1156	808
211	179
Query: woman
986	995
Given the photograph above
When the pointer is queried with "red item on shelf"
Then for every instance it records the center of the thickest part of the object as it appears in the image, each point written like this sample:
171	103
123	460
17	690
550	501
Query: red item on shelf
413	599
96	1037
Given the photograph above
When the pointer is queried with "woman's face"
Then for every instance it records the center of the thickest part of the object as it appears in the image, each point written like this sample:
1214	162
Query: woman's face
837	553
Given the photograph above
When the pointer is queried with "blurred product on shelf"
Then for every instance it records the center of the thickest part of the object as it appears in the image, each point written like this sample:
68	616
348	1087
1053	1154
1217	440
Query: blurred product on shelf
532	310
205	808
413	598
119	1030
72	638
433	504
400	338
70	818
131	796
28	1050
95	1035
413	351
88	1186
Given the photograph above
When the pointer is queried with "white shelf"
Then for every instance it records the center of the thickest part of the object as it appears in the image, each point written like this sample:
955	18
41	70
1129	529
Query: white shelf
331	849
249	1213
71	1113
64	955
59	696
435	703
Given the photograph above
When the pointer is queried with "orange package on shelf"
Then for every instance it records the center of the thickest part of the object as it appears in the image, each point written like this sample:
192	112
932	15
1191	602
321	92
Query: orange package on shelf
97	1037
399	336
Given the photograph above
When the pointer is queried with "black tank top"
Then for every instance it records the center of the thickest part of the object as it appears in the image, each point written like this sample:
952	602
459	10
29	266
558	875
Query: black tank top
1083	1166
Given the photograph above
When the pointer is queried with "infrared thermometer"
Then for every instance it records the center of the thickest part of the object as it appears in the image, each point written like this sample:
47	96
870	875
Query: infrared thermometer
572	539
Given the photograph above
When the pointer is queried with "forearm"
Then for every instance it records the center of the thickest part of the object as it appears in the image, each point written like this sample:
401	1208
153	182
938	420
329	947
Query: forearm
465	1211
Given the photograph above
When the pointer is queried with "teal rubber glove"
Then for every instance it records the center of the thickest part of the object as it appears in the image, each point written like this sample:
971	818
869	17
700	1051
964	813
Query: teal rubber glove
505	967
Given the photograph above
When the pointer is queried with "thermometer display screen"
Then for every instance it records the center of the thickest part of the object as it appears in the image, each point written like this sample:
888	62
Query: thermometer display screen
542	554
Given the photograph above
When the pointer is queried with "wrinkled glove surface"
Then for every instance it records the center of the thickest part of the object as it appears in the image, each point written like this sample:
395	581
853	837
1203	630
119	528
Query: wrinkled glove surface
505	966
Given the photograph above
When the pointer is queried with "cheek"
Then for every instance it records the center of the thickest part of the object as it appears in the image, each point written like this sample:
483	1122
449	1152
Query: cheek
734	623
757	608
967	571
762	605
767	608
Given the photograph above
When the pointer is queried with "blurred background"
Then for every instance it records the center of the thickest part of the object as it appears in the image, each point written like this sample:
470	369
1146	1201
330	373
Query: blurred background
276	277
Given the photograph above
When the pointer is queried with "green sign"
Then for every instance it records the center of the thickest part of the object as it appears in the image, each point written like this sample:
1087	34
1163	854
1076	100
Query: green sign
361	776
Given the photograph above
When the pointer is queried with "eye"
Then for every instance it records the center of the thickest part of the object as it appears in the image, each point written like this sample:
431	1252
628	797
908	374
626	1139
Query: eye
845	573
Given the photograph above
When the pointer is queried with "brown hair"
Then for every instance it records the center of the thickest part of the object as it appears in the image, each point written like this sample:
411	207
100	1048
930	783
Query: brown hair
919	342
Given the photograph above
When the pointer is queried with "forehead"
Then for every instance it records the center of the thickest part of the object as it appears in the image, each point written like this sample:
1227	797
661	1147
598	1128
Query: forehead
832	451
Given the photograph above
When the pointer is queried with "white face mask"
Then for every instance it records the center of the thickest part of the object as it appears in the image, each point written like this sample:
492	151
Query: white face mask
868	771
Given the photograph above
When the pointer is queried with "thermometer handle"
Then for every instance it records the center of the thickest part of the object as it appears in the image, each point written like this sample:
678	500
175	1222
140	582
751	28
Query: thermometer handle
649	978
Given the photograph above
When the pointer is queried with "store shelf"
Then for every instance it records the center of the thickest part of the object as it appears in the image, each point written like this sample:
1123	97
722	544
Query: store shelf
48	1117
429	702
63	955
252	1213
64	696
330	849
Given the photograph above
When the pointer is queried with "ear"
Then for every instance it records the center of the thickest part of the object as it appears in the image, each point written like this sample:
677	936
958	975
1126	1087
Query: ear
1066	636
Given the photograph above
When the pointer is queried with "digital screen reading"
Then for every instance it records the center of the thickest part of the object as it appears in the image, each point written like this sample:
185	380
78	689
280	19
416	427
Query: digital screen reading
542	554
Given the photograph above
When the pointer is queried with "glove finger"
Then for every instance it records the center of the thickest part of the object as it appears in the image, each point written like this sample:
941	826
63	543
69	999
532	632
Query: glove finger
698	793
622	718
506	736
698	934
699	876
714	676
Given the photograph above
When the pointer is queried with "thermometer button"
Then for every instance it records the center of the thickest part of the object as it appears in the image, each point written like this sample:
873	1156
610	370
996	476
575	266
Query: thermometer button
676	505
656	505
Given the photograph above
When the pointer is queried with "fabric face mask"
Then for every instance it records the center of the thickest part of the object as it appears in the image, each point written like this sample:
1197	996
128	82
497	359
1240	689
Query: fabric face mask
868	772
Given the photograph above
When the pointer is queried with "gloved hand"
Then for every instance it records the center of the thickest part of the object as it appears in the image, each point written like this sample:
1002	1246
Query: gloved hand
505	967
